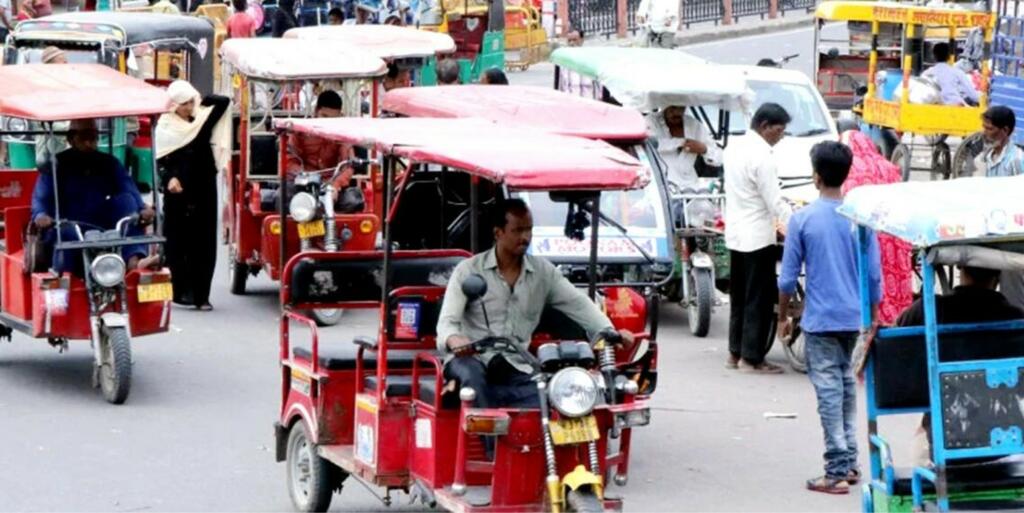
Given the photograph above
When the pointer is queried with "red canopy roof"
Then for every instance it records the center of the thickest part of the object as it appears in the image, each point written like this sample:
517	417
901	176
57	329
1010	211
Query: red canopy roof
524	106
520	158
57	92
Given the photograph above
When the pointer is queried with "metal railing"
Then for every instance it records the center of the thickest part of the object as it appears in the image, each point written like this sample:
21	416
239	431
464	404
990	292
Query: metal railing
797	5
631	8
594	17
701	11
741	8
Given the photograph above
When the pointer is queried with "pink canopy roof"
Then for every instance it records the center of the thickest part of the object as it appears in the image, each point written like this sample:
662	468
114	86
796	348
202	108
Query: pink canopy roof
56	92
384	41
522	159
292	59
523	106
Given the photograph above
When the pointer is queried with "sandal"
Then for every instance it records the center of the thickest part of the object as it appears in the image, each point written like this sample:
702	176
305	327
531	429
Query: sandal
205	307
732	363
829	485
761	368
853	477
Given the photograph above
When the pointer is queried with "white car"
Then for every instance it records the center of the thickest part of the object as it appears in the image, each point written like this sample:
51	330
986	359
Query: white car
811	124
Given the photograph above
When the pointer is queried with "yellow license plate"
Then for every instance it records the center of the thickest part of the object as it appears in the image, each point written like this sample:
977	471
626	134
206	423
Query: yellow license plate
150	292
574	431
312	229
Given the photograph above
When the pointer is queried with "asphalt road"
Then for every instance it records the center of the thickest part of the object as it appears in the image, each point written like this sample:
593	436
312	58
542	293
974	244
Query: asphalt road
196	432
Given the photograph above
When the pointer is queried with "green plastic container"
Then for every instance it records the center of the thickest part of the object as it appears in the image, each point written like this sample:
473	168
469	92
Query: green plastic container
905	504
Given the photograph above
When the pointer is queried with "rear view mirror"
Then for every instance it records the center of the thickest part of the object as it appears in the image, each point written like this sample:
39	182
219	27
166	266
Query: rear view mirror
474	287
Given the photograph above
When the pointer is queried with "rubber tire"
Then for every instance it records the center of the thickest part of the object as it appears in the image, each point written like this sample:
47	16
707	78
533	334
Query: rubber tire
794	347
238	274
941	161
902	157
699	311
116	364
323	474
322	319
965	154
584	501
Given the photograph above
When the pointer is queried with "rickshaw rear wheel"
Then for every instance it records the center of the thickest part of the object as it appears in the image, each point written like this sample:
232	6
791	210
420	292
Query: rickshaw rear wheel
702	286
115	364
311	479
326	316
584	501
902	156
963	157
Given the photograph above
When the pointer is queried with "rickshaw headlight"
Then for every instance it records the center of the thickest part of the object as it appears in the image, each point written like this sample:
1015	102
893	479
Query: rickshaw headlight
302	207
108	270
573	392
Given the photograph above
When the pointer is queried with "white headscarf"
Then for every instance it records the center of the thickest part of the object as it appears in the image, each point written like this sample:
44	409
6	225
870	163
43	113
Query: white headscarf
174	132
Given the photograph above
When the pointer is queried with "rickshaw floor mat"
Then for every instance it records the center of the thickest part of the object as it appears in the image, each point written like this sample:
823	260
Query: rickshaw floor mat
997	475
401	386
343	357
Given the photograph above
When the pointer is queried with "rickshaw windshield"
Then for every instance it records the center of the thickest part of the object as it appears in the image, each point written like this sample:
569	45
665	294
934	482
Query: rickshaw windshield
798	100
82	55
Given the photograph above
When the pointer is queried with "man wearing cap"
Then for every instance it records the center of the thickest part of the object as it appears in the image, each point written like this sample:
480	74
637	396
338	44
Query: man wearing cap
93	188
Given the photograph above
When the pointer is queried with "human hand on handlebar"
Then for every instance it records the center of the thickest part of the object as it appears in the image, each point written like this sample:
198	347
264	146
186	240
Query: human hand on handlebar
146	216
43	221
460	345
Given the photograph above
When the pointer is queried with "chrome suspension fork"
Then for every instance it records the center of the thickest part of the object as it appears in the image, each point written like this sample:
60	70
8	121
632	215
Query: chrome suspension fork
552	481
331	236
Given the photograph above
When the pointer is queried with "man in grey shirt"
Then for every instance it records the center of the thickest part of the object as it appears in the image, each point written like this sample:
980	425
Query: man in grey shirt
519	287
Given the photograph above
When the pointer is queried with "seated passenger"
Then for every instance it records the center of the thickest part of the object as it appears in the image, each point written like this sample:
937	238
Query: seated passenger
682	139
519	287
312	153
93	188
974	300
955	86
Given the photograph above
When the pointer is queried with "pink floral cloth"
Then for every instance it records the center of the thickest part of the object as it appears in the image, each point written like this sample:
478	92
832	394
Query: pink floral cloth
871	168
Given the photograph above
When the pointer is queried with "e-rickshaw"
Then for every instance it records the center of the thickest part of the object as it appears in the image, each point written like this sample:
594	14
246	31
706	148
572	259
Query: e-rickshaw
277	78
377	410
966	377
650	80
478	28
109	305
158	48
900	34
407	48
635	245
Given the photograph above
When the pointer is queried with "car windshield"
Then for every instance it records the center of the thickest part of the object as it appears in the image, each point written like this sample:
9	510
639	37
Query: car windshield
800	102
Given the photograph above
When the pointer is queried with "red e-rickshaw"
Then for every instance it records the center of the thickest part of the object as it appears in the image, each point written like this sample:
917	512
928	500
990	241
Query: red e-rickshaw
635	244
378	409
279	78
109	305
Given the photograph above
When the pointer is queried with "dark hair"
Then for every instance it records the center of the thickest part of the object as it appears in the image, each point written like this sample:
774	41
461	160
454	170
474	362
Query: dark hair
770	114
941	52
501	210
981	275
767	63
1001	117
495	77
448	72
392	70
240	5
328	100
336	12
831	161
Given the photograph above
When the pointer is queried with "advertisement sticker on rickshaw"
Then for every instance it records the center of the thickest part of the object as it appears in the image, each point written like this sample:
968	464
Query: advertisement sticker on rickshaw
407	321
424	434
365	443
300	382
152	292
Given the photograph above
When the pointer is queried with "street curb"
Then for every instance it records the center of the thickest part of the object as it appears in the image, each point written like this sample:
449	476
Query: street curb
733	32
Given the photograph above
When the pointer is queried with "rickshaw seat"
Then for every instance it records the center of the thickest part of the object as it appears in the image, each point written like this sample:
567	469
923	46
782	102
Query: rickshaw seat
263	151
997	475
343	357
401	386
901	364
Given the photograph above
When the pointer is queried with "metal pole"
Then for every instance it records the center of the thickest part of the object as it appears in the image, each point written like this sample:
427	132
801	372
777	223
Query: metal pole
595	223
473	201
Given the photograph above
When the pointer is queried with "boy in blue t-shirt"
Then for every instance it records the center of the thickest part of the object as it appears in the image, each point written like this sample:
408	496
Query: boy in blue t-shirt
825	244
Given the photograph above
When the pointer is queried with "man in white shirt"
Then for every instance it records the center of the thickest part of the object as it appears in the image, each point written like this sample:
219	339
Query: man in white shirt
6	19
753	208
681	140
659	19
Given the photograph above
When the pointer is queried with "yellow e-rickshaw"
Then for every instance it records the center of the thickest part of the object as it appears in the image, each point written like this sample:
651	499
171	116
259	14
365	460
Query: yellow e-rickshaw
882	69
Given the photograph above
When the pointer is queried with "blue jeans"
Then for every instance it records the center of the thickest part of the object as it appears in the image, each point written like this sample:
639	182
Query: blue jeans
831	373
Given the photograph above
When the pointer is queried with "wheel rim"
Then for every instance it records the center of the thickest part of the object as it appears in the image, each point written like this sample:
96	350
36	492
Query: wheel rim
301	464
107	371
329	314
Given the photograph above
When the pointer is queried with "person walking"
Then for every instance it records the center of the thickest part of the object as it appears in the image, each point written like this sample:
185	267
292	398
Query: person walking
824	244
659	20
284	18
192	146
241	24
871	168
1001	157
754	208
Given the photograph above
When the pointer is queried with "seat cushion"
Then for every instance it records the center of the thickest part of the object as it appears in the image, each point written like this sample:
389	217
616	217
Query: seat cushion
1007	473
401	386
343	357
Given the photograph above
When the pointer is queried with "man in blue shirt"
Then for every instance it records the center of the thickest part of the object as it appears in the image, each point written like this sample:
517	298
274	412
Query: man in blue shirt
825	244
93	188
955	87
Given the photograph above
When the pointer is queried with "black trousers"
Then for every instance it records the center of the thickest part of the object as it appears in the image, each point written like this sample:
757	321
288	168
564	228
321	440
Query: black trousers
498	385
753	292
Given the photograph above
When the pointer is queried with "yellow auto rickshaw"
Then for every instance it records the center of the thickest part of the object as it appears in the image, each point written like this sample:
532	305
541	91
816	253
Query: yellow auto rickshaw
882	73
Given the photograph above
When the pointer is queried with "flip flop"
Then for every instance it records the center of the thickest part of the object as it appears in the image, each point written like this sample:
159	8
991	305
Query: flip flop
829	485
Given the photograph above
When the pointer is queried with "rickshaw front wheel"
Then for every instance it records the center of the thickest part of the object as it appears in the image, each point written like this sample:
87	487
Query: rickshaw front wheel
702	290
311	479
115	364
584	501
